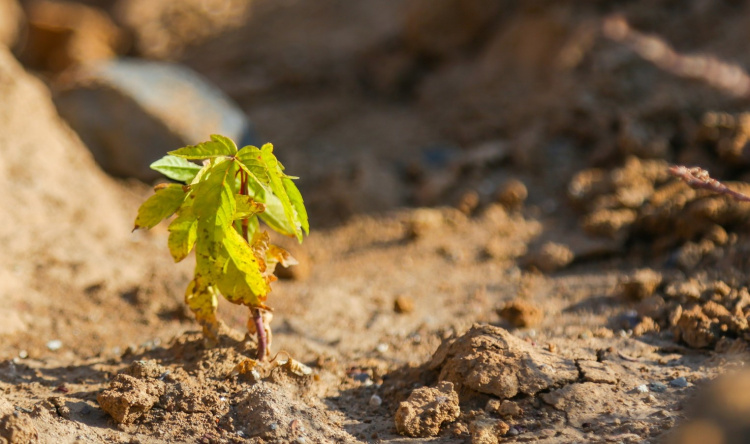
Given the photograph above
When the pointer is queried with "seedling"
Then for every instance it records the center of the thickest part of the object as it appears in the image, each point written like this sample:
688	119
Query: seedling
218	211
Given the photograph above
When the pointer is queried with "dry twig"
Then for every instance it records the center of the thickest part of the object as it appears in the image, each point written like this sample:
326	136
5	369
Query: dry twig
698	178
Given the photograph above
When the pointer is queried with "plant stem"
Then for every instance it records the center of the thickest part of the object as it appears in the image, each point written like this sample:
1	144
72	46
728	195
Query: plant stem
257	316
261	331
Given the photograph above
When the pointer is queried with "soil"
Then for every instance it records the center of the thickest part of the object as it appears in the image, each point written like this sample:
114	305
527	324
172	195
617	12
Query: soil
498	252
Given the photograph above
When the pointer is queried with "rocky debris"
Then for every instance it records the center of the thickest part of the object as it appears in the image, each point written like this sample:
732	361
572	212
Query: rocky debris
490	360
128	398
641	197
550	257
163	29
64	34
522	314
130	112
696	329
274	414
11	18
641	284
426	410
504	408
485	430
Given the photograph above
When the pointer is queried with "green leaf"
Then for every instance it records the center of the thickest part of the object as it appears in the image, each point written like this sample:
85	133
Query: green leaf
219	146
297	203
214	196
276	174
160	206
274	216
183	232
176	168
251	161
247	206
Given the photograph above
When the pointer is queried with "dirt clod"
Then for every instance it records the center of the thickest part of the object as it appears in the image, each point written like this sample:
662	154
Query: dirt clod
551	257
403	304
641	284
512	194
485	430
128	398
521	313
426	409
490	360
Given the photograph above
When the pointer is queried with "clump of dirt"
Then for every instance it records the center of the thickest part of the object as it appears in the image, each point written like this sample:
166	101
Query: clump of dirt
521	313
128	398
427	409
492	361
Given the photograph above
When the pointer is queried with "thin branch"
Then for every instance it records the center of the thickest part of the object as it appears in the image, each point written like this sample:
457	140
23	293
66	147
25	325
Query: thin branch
698	178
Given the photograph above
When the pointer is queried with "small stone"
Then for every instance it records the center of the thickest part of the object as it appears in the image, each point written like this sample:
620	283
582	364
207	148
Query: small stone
512	194
643	388
382	347
54	345
23	354
509	408
657	387
520	313
551	257
680	382
641	284
468	202
403	304
375	401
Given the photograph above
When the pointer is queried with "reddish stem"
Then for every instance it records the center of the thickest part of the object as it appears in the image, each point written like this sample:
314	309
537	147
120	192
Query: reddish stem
261	331
257	316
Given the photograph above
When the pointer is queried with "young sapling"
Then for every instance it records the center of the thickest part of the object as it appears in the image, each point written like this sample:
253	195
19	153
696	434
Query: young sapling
218	206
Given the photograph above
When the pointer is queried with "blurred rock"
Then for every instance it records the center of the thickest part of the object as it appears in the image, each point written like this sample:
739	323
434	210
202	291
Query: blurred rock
512	194
443	29
11	17
719	415
521	313
640	284
64	34
131	112
163	28
551	257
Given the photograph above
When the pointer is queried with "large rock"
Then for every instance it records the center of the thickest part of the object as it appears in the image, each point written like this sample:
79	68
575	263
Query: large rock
63	34
11	17
131	112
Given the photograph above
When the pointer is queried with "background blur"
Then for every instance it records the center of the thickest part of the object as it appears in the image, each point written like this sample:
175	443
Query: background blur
414	102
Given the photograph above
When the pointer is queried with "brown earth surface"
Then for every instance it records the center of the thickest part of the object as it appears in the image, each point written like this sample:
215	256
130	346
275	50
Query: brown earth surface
498	252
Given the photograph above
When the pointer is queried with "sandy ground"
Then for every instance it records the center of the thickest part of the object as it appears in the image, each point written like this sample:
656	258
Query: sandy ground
498	253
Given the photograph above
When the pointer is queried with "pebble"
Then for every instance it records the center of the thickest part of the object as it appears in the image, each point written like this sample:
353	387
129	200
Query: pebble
375	401
23	354
680	382
54	345
658	387
643	388
382	347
